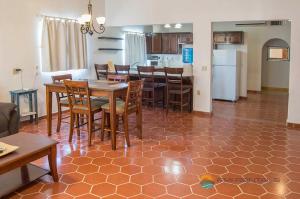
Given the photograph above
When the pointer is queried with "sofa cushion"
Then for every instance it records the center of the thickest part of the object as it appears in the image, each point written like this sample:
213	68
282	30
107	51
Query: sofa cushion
6	110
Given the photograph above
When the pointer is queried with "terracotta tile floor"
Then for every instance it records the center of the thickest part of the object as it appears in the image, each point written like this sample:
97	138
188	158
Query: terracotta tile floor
245	145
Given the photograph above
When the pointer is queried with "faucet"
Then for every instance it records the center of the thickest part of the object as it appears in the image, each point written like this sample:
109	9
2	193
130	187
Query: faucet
134	65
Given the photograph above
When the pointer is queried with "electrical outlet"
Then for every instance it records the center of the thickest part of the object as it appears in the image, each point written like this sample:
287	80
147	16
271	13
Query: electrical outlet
204	68
198	92
17	71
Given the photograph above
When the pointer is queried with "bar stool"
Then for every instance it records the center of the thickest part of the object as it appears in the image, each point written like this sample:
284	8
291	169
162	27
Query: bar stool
81	104
122	69
101	71
175	89
146	73
124	108
62	99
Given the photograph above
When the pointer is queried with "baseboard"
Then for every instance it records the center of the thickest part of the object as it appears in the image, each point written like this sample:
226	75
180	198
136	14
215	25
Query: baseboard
203	114
254	92
243	98
275	89
42	117
293	126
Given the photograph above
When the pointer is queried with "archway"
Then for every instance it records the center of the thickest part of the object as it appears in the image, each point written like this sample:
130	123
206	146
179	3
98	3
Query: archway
275	65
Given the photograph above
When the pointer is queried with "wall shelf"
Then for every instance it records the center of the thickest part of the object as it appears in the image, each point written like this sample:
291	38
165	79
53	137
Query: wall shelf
111	49
111	38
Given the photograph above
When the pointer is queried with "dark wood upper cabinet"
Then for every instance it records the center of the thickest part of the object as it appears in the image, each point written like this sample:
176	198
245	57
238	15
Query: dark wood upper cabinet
219	37
156	43
236	37
169	43
149	43
185	38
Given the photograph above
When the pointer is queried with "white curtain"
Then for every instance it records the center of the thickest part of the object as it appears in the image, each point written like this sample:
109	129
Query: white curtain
63	46
135	49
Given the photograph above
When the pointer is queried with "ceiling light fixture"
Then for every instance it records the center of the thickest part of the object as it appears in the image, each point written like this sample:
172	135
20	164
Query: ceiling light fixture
87	22
178	26
167	25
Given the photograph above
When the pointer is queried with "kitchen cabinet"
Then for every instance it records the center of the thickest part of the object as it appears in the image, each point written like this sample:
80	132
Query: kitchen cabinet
185	38
236	37
156	43
169	43
149	43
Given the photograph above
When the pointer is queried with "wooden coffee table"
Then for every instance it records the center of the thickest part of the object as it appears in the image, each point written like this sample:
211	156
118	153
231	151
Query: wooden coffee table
15	168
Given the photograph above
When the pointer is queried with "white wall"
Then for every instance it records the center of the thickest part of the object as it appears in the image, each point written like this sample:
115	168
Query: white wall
103	57
275	74
20	39
202	13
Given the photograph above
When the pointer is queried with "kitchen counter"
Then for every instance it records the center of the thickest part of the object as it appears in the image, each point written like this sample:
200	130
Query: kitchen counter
160	72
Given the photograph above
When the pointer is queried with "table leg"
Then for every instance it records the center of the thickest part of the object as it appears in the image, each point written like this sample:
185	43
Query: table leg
30	106
112	109
49	111
52	163
18	104
24	174
139	121
36	107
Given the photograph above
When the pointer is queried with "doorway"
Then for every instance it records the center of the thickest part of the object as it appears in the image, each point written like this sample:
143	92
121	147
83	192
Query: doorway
275	65
263	79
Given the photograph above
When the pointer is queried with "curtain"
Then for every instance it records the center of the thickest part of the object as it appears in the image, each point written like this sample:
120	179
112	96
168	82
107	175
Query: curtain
135	49
63	46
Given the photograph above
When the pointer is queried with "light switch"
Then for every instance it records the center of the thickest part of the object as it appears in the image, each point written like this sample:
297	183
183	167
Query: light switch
204	68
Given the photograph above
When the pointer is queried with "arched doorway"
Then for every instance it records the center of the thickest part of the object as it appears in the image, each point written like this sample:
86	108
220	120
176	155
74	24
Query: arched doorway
275	66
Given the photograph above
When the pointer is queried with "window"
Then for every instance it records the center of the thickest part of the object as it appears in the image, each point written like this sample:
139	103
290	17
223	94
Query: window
278	54
63	46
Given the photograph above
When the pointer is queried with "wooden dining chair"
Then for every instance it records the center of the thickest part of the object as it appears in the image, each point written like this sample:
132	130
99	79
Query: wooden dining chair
175	89
122	69
81	104
101	71
150	88
124	108
62	99
118	78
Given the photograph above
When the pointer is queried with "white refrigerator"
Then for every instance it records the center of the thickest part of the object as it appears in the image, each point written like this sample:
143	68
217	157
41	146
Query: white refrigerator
226	75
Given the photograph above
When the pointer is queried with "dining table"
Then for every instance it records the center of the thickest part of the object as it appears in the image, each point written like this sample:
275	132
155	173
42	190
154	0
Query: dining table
98	88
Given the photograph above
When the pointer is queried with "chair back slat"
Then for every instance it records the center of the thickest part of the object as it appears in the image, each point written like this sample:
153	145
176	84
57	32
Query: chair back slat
146	73
134	94
174	78
118	78
60	79
122	69
78	94
101	71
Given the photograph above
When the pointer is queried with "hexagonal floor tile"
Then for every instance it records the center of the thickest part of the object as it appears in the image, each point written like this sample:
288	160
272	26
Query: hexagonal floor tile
179	190
128	190
153	190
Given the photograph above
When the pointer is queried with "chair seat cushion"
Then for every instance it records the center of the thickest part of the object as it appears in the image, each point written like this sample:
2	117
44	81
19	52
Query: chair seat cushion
120	107
64	102
96	104
105	99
